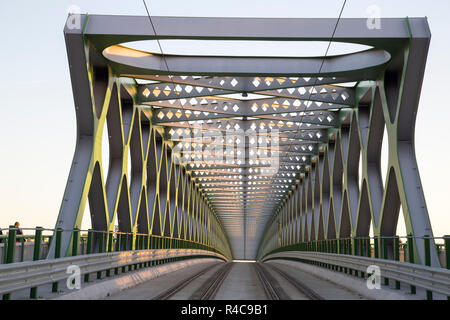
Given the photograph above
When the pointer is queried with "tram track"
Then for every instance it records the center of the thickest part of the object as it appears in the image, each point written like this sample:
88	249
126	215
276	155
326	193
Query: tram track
209	288
299	285
271	287
206	291
167	294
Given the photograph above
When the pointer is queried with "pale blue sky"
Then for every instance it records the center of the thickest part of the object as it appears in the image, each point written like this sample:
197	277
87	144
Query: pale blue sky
37	118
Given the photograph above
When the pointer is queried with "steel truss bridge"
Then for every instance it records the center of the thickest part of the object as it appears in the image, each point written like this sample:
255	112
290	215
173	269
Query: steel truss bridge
247	157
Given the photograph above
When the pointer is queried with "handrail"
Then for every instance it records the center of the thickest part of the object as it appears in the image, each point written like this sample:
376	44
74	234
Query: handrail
429	278
30	274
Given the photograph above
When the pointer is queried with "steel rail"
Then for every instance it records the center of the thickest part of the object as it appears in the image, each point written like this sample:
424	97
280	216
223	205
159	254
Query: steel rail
182	284
209	289
300	286
270	285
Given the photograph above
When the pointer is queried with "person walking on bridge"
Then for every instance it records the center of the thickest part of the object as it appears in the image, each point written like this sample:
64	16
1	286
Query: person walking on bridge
19	230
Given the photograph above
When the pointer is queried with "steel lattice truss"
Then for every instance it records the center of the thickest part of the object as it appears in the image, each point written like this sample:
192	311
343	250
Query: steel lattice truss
318	127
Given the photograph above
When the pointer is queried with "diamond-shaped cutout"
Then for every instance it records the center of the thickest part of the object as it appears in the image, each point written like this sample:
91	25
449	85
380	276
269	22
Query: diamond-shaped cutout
167	90
146	92
344	95
281	80
234	82
268	81
275	105
156	91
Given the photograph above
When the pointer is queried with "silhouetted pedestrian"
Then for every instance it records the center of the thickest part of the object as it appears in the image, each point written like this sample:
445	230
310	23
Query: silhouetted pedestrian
19	230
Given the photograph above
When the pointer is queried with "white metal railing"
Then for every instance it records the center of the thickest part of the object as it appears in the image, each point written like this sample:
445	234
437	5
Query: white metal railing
429	278
29	274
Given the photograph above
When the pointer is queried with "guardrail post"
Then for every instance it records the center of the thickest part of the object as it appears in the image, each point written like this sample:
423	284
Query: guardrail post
447	251
22	248
411	257
90	241
376	247
426	242
385	255
130	240
101	249
353	245
36	255
361	246
110	241
101	243
108	248
57	238
89	249
397	257
346	251
10	252
118	236
5	249
76	242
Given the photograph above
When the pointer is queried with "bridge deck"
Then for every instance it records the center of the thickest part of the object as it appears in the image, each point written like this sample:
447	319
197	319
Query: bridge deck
241	283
